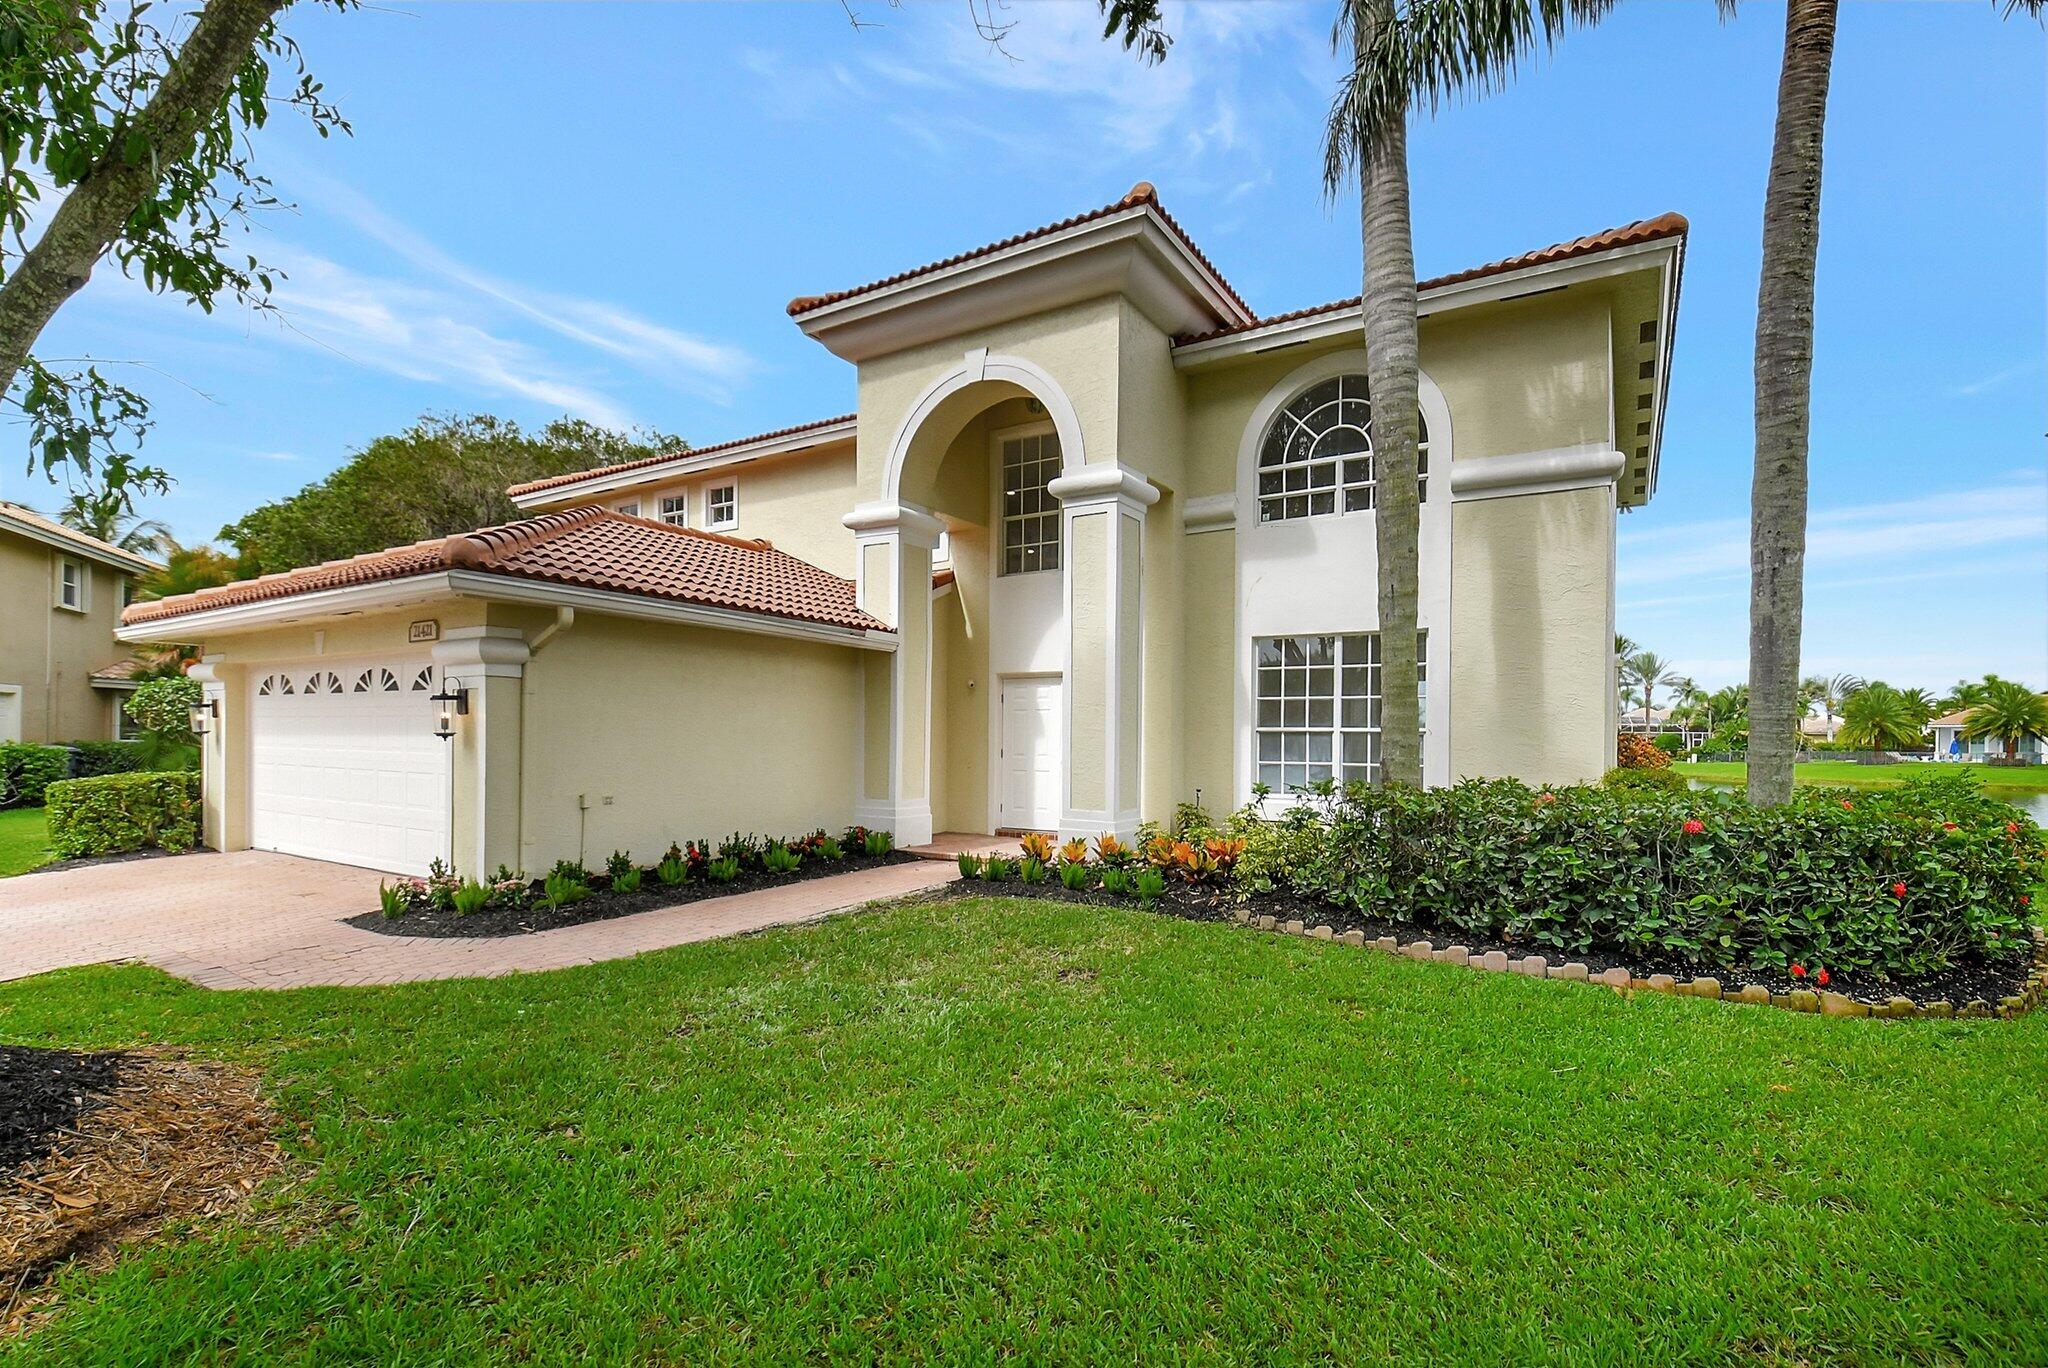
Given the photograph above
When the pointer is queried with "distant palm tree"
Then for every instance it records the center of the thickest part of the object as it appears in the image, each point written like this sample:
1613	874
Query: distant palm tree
1650	672
108	518
2011	712
185	569
1830	692
1967	694
1879	717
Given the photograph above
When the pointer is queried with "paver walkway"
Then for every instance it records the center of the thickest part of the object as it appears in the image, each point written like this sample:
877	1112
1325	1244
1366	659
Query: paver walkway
252	919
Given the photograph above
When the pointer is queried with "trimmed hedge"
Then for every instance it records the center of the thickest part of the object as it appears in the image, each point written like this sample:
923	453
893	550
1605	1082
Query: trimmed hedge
113	813
1895	884
27	770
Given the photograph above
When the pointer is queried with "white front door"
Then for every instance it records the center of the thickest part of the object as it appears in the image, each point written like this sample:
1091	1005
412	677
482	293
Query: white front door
1033	727
345	766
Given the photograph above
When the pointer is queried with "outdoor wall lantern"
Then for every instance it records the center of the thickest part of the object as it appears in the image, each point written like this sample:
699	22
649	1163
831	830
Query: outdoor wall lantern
200	714
452	702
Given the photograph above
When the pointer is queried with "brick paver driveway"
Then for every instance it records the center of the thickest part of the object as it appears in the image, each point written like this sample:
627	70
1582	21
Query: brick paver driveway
257	920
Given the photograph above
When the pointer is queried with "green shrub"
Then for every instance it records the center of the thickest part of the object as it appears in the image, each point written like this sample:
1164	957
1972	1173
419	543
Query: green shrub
1031	870
628	882
1638	752
829	849
94	758
572	870
617	863
393	900
970	865
998	869
672	870
722	870
878	843
26	772
1116	880
113	813
1075	875
780	859
470	896
1671	743
1149	884
161	707
1645	781
1893	884
560	888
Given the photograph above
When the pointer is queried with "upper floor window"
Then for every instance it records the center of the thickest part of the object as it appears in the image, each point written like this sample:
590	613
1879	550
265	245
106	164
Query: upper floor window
675	510
71	584
722	505
1031	515
1318	452
631	508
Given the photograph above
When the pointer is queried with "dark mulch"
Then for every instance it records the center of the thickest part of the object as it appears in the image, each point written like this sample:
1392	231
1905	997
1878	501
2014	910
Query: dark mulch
44	1092
1980	981
603	904
124	857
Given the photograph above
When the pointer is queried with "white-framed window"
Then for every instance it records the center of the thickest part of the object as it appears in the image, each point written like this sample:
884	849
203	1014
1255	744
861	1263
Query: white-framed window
71	584
1319	701
631	508
1031	515
675	509
1316	456
722	505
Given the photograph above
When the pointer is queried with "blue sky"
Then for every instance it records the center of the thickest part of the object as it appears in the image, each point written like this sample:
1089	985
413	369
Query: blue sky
602	209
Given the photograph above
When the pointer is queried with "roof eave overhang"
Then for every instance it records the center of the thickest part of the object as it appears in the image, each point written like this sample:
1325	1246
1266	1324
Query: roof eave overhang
105	555
682	465
384	595
1132	253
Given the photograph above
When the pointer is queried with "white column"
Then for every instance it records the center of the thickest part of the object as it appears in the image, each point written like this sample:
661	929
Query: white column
223	758
893	545
484	758
1102	508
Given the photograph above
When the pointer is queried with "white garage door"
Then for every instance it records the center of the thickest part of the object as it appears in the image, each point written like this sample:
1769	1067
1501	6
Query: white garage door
345	765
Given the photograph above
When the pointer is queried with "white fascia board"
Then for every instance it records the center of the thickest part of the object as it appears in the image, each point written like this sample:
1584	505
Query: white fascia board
364	598
683	464
1491	289
856	320
1534	472
124	561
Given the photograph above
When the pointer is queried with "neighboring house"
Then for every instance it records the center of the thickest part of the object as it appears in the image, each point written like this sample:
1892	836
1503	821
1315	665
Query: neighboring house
61	596
1659	722
1097	539
1949	743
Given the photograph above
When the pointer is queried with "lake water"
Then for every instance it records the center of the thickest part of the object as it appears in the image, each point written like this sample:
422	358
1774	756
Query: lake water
2035	805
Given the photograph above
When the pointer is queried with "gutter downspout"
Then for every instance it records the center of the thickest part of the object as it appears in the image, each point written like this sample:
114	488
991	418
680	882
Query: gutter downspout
565	618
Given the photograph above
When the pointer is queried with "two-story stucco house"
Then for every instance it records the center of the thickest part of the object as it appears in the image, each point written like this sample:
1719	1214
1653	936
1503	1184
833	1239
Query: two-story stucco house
1097	538
61	596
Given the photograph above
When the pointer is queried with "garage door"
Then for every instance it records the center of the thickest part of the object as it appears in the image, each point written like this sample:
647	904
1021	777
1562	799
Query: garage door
345	765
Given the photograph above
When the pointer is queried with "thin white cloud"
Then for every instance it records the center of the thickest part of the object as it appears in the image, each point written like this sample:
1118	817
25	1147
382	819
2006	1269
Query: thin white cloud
283	457
1985	384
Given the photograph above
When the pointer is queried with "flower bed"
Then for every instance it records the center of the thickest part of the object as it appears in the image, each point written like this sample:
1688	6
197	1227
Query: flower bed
511	904
1922	892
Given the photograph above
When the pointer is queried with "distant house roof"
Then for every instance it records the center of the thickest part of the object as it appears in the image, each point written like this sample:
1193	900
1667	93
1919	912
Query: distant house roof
589	548
119	675
33	525
1954	719
691	454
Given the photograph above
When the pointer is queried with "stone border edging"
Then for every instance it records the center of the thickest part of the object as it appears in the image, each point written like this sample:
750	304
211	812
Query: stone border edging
1622	981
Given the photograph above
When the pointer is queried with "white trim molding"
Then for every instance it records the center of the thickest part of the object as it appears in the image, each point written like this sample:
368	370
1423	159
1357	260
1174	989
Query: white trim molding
975	367
1209	513
1535	472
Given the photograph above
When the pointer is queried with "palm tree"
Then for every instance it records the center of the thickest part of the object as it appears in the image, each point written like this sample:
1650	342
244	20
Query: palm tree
1651	672
2011	712
1879	717
1830	691
1966	695
109	518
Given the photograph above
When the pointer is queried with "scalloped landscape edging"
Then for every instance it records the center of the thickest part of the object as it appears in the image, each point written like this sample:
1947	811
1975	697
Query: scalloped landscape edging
1622	981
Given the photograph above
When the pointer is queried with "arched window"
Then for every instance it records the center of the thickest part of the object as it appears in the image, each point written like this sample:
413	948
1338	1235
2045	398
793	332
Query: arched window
1316	457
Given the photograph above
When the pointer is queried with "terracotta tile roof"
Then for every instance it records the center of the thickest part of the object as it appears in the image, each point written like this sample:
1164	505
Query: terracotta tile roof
1643	230
684	454
942	578
120	672
1140	194
588	548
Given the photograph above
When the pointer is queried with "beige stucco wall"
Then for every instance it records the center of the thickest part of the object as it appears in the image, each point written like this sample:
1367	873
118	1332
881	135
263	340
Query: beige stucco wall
1530	672
794	501
688	731
1207	668
51	652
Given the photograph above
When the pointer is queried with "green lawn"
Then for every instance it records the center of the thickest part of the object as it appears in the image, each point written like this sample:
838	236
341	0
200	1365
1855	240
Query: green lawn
24	841
969	1130
2019	779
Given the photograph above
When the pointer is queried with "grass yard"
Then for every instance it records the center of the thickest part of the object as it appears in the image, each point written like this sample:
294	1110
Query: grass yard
24	841
988	1128
1997	779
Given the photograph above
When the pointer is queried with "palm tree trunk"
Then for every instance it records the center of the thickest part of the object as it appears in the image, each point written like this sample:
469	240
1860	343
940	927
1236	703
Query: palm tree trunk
1391	366
1784	376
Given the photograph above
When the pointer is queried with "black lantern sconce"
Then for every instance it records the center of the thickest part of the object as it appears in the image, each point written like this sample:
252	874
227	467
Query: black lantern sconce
450	703
200	716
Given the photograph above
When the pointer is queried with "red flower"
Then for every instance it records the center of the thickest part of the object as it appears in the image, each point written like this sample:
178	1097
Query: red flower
1847	806
1821	978
1898	890
1798	971
2025	899
1948	826
2012	828
1546	798
1694	826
